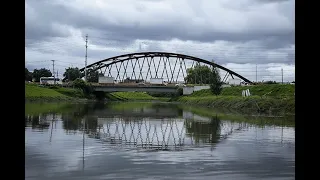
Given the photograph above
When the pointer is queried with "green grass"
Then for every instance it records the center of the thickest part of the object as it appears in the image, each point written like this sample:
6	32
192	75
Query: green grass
252	103
131	96
275	98
112	97
35	92
76	93
163	99
269	90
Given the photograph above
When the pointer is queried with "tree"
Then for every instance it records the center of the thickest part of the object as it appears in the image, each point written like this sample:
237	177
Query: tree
93	76
43	72
71	74
216	83
200	74
28	75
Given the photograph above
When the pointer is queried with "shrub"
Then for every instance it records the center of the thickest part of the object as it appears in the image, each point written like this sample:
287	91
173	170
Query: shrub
85	87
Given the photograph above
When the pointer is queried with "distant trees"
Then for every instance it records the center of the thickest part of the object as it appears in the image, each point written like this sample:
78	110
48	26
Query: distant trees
72	74
93	76
202	74
38	73
199	74
27	75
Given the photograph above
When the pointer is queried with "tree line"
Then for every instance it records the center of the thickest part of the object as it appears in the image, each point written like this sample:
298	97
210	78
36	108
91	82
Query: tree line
70	74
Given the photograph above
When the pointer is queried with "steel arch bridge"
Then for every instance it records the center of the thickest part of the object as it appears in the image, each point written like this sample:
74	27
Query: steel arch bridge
172	67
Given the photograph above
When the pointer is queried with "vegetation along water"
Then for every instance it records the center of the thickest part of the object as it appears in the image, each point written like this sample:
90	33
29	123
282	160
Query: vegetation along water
267	98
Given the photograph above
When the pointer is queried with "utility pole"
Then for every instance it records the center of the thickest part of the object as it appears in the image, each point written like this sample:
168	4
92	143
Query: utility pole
85	64
256	73
282	74
54	77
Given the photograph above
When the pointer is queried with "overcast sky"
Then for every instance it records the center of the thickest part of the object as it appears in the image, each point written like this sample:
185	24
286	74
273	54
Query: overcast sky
235	34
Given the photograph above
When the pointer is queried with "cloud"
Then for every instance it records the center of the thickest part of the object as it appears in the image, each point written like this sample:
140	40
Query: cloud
240	32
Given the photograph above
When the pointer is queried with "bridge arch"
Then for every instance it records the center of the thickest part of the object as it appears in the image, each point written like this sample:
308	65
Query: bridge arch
109	62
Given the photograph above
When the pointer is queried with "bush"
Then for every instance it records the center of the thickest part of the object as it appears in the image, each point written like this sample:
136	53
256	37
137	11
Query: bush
180	91
85	87
216	88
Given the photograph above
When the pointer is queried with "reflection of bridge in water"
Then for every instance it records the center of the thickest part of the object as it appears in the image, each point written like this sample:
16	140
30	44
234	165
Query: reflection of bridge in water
156	133
162	134
138	112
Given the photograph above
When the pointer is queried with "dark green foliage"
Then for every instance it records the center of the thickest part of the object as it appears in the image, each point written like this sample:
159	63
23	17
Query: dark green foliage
216	88
200	74
93	76
27	75
180	91
38	73
216	85
270	82
72	74
85	87
53	87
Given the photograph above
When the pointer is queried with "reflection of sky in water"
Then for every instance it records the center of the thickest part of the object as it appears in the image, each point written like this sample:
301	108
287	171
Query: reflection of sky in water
250	152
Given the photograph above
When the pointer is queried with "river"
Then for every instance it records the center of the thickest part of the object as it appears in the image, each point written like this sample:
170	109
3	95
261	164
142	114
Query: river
155	141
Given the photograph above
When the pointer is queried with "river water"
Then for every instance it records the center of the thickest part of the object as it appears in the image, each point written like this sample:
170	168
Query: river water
155	141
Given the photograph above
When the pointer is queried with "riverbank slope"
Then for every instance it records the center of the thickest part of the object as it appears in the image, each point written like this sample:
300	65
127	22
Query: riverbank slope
34	92
268	98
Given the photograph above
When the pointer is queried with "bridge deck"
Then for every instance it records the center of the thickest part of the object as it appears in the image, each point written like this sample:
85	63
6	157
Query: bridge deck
120	88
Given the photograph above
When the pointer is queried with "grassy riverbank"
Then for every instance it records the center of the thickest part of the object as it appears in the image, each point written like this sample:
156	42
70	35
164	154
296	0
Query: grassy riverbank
234	116
269	98
34	92
273	98
268	90
134	96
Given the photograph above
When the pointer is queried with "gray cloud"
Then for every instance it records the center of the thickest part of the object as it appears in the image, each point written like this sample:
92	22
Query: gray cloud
168	25
254	31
